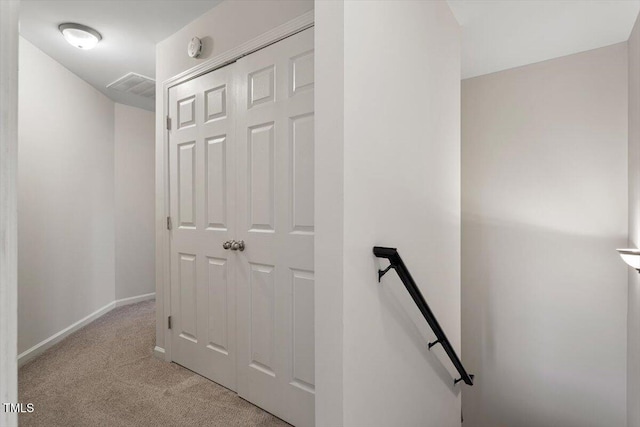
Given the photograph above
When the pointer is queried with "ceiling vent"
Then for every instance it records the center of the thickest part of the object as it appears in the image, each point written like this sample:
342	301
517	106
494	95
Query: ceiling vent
135	84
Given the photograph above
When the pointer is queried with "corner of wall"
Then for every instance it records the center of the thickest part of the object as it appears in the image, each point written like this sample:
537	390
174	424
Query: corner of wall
329	212
633	302
9	11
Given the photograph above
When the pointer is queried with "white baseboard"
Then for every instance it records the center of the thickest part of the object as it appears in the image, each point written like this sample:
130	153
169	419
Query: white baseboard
133	300
40	348
158	352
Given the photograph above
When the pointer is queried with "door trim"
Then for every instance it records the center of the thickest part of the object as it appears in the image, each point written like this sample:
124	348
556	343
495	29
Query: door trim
163	253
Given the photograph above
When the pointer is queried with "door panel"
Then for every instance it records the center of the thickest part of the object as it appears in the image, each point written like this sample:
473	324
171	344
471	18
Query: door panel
242	168
302	290
216	185
262	284
188	297
302	182
261	179
186	184
218	283
275	149
202	195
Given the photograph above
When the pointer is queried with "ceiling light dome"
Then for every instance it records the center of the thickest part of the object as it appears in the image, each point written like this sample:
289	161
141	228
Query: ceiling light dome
80	36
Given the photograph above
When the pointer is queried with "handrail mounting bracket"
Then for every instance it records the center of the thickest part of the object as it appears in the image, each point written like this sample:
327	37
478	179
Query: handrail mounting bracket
383	272
456	381
431	344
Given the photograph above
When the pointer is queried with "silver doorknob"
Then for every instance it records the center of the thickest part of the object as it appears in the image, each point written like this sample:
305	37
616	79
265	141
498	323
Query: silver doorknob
237	245
227	245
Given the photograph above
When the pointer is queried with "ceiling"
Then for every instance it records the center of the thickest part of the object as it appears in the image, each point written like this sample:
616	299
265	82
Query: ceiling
502	34
496	34
129	29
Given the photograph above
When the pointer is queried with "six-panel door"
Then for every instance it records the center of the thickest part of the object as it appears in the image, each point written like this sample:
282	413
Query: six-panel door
242	168
202	195
275	158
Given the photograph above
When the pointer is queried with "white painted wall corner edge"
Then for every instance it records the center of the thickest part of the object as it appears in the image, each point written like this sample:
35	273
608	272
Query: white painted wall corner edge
46	344
9	11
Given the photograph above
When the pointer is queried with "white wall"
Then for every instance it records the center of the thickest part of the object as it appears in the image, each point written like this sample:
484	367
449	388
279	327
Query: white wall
65	198
226	26
544	203
633	319
134	145
329	212
8	207
85	200
401	189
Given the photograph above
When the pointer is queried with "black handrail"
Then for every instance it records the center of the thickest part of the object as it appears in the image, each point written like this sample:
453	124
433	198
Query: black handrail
398	265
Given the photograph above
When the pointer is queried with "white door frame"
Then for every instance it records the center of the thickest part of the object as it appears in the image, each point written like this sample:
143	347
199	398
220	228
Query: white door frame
8	209
163	255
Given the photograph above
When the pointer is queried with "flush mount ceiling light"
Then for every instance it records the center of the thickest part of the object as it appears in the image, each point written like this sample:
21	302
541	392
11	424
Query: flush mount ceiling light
79	35
631	257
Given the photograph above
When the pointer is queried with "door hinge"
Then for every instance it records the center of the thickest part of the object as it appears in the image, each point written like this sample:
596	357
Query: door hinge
169	224
169	322
168	123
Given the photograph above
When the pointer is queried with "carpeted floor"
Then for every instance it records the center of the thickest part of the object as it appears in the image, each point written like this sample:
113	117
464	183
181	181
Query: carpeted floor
105	375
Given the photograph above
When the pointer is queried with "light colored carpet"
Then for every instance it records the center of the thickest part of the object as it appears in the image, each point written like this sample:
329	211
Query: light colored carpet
105	375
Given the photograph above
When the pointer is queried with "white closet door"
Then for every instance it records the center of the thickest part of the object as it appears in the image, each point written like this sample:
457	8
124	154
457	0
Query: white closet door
275	159
202	198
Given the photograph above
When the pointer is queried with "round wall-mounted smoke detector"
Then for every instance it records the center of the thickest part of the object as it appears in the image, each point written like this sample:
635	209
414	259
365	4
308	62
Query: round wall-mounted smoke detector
195	47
